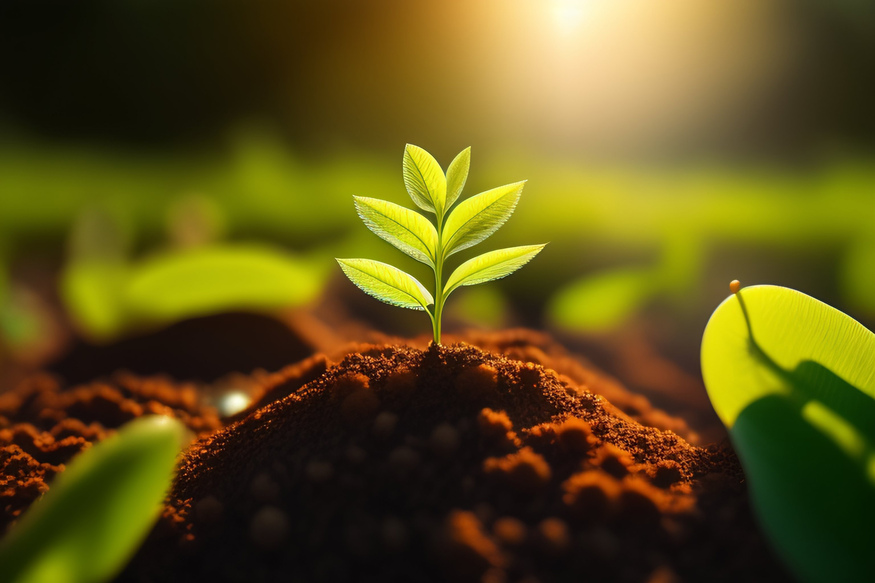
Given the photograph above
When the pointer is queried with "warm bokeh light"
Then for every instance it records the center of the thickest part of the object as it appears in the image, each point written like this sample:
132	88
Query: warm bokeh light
569	14
669	147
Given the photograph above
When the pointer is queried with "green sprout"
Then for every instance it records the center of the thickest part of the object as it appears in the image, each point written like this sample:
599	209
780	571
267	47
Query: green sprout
469	223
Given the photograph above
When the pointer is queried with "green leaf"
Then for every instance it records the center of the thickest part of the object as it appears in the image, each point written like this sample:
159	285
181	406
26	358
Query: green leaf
424	179
457	175
386	283
92	290
602	301
478	217
99	510
491	266
407	230
794	383
212	279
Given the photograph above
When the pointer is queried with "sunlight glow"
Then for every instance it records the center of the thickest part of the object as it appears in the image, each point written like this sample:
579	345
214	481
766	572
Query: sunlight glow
568	14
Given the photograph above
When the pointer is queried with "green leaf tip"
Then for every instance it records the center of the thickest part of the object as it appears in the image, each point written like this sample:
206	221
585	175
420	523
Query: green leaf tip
798	399
424	179
457	175
453	230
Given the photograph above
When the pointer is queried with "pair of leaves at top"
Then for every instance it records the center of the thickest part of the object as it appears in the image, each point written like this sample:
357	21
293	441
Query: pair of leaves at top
472	221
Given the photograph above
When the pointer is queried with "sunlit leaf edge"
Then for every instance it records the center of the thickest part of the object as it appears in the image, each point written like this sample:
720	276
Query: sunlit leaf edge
424	179
387	283
491	266
478	217
401	227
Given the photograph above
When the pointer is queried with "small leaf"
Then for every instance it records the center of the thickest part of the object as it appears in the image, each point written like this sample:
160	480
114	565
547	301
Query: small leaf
478	217
99	510
424	179
457	175
386	283
407	230
491	266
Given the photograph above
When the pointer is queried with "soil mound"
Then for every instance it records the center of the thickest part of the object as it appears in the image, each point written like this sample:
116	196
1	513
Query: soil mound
449	464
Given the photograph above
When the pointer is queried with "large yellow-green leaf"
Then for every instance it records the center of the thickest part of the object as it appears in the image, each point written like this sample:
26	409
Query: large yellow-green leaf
407	230
491	266
424	179
212	279
478	217
98	511
457	175
795	385
386	283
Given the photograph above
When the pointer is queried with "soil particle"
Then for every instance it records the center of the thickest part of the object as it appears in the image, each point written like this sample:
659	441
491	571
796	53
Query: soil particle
269	528
524	471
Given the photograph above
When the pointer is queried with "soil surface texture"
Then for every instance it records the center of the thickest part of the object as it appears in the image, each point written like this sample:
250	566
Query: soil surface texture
450	463
43	425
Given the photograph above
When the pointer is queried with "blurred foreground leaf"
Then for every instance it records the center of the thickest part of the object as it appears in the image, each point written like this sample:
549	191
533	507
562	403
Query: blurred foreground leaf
98	511
796	389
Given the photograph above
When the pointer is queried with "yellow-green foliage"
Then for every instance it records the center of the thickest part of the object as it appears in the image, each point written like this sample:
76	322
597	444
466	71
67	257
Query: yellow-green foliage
454	230
793	380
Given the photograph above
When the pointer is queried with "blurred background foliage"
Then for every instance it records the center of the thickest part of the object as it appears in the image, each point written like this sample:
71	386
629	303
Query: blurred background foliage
164	160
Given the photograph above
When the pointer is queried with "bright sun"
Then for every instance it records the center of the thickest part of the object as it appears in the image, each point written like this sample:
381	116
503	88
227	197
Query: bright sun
568	14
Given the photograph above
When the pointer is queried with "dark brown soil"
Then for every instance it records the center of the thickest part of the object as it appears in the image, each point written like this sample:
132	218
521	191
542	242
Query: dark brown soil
205	349
451	464
43	426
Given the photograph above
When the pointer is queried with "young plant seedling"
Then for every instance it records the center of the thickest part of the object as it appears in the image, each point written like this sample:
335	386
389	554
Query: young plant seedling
469	223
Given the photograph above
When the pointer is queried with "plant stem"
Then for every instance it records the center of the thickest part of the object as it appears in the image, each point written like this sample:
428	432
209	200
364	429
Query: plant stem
438	302
438	282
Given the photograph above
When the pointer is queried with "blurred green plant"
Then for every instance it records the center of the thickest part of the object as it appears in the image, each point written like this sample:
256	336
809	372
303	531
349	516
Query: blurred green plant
793	380
602	301
470	223
611	221
98	511
108	297
857	274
